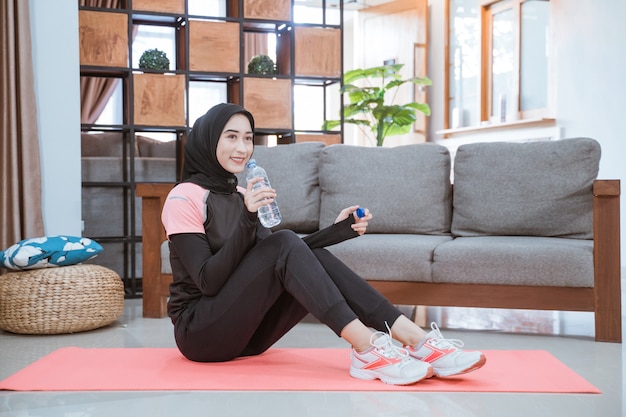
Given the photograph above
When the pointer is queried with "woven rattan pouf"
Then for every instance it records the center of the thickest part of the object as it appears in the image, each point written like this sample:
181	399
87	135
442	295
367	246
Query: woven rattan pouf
66	299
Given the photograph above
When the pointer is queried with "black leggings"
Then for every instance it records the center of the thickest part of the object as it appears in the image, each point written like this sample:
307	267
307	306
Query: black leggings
277	284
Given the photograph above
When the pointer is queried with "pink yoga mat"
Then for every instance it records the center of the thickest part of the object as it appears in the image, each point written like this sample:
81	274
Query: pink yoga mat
131	369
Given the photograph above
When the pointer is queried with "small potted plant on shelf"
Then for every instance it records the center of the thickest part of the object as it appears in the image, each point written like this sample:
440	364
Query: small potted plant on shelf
367	107
261	65
154	59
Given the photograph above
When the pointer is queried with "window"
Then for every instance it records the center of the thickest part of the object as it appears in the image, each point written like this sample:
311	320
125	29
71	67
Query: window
464	64
498	61
534	55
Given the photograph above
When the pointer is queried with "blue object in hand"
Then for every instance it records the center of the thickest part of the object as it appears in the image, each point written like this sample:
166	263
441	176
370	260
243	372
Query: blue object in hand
360	212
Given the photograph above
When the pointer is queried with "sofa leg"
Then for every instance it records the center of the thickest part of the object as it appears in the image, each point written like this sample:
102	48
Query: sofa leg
154	307
606	259
608	324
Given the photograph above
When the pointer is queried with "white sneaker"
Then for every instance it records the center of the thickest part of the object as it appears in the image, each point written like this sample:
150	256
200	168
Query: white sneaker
446	355
387	362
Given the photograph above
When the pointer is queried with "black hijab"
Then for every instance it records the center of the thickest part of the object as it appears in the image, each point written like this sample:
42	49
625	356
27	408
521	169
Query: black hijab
200	165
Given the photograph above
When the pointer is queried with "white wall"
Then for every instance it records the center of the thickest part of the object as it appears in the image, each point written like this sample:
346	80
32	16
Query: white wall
54	33
591	92
590	74
590	88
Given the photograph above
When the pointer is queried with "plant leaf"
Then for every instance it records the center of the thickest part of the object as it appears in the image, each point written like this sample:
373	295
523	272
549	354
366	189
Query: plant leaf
358	122
330	124
420	80
395	130
422	107
398	115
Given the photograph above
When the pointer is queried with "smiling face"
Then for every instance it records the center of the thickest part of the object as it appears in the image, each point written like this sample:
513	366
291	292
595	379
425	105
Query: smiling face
236	144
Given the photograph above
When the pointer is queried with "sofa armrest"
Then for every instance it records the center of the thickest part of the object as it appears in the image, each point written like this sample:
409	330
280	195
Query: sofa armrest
153	197
606	258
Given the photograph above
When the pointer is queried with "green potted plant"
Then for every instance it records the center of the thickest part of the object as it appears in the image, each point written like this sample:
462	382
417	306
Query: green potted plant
261	65
367	107
154	59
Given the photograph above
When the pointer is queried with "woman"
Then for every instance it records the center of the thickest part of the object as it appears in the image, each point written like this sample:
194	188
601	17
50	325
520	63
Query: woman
238	287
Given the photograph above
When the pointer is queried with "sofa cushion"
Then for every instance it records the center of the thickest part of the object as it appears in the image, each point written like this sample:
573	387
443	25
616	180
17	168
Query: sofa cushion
152	148
102	144
111	169
370	256
166	265
515	260
107	144
528	189
293	172
406	188
101	213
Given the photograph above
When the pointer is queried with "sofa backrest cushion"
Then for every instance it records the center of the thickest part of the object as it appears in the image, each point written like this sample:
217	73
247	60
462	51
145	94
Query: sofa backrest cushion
406	188
102	144
525	189
152	148
112	144
293	172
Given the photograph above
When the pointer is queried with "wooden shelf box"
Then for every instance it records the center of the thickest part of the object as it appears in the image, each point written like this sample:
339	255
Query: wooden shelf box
213	46
159	99
326	63
103	38
269	100
326	138
267	9
163	6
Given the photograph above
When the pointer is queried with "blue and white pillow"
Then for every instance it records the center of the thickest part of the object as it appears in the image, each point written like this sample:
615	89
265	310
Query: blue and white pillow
49	251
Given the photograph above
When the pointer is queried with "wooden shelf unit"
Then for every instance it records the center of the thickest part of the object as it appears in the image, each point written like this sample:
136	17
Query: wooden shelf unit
211	49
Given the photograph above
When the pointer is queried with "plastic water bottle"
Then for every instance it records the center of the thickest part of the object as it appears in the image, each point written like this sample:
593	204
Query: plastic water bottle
269	215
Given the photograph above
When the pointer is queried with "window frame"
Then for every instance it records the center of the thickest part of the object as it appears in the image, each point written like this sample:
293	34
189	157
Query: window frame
487	9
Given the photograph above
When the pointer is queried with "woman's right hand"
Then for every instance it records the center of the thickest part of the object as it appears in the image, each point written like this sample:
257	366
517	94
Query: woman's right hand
254	199
360	223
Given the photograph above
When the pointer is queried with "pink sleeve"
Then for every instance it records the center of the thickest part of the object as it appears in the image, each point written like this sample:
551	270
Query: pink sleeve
184	210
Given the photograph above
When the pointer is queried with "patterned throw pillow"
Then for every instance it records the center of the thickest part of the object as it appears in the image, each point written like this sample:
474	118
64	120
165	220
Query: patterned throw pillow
49	251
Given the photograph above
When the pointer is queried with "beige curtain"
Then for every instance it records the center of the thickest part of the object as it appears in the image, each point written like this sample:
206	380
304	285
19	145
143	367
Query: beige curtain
95	92
20	171
254	44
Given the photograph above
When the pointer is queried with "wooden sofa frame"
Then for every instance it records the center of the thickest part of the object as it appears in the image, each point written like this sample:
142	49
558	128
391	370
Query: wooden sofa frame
604	299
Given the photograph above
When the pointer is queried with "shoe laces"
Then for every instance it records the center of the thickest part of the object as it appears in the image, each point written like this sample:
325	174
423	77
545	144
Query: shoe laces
383	342
437	339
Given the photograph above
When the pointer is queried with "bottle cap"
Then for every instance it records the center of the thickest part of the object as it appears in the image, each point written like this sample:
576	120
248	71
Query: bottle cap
360	212
251	163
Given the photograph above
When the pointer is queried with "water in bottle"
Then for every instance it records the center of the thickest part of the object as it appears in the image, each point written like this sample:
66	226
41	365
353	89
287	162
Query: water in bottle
269	215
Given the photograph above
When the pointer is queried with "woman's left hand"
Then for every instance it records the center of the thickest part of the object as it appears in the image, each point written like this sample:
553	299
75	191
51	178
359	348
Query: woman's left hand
360	223
254	199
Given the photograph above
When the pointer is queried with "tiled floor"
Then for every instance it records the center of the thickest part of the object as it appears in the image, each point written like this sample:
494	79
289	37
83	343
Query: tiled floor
566	336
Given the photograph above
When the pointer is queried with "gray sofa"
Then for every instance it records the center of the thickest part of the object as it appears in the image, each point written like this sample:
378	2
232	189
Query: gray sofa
517	232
